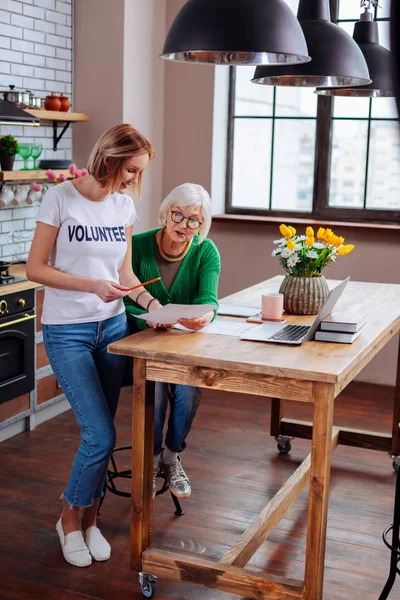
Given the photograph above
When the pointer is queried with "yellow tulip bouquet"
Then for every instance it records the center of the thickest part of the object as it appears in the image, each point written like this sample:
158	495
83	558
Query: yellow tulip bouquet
306	255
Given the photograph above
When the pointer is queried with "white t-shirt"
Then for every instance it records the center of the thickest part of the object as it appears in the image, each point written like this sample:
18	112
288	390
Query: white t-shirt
91	243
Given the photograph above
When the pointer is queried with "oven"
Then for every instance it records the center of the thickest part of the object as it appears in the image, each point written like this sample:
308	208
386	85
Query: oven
17	344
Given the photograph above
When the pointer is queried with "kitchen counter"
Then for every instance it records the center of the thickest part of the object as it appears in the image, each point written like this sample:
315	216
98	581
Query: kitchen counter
20	286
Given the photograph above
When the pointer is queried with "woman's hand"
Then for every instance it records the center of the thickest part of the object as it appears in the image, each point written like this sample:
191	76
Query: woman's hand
108	291
155	306
199	323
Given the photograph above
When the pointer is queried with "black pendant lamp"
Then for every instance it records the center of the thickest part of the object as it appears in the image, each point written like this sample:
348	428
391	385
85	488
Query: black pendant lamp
236	32
336	58
379	61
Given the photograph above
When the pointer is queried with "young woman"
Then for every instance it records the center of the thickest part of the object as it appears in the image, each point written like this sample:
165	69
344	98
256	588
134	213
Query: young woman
81	253
189	266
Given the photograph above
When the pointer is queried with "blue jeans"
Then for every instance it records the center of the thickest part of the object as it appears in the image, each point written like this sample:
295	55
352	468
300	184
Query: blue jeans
91	380
184	401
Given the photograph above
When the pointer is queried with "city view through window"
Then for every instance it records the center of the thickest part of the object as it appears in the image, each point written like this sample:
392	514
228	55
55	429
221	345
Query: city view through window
274	134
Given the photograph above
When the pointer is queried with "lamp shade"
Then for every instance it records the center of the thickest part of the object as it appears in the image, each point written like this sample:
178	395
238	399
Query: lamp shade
336	58
236	32
379	61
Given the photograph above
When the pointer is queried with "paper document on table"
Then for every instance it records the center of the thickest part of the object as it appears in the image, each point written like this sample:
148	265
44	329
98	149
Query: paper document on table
171	313
223	327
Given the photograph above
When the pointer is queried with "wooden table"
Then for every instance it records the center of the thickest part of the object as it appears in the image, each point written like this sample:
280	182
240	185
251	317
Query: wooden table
315	372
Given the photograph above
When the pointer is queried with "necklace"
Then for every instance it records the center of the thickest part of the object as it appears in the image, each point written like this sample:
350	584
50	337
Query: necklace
175	258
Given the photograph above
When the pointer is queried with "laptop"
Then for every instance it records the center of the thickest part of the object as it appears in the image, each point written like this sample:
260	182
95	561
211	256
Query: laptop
278	333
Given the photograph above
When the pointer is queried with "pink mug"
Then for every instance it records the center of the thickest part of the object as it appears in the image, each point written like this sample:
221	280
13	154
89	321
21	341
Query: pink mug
272	306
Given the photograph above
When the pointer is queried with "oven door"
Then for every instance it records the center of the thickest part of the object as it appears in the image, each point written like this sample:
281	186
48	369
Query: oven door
17	355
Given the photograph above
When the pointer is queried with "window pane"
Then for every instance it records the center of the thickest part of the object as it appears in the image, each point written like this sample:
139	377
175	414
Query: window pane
384	34
251	163
295	102
349	10
252	99
348	158
350	107
384	108
383	190
384	9
293	172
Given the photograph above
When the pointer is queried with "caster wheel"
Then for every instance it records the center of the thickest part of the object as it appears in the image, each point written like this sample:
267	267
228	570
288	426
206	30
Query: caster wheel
396	466
284	447
148	587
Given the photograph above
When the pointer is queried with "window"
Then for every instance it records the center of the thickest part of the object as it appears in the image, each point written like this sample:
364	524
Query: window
292	152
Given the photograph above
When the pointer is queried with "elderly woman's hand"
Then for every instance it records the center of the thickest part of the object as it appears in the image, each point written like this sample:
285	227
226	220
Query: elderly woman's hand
199	323
154	306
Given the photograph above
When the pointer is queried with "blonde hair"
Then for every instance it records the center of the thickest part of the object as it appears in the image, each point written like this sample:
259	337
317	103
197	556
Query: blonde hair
191	195
117	144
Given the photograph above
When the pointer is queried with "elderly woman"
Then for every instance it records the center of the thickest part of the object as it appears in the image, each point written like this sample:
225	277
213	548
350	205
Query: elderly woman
189	266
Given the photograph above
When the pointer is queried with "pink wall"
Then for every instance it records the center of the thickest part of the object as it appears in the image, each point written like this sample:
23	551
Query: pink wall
98	70
188	118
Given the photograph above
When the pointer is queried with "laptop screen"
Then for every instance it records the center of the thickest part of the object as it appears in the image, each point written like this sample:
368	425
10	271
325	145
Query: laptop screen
327	307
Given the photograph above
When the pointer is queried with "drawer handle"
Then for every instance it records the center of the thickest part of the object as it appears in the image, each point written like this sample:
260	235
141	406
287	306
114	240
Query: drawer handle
25	318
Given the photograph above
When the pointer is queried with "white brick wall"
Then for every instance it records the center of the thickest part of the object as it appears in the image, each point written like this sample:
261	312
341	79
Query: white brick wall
36	55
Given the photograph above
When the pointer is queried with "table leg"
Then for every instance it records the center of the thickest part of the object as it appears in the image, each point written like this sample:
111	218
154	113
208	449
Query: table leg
395	450
142	463
319	490
276	416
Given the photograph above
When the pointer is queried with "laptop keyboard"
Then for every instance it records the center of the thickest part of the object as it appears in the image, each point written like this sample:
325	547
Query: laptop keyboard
291	333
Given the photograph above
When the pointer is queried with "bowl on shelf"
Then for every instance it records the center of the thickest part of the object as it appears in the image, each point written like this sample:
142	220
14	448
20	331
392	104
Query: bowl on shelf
54	163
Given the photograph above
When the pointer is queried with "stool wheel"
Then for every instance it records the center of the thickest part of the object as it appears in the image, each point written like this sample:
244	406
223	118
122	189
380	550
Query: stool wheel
148	585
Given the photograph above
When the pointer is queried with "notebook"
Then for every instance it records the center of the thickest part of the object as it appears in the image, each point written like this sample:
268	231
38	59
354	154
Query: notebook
337	336
344	321
235	310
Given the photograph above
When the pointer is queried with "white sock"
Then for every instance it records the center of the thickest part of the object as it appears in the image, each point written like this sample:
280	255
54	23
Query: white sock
169	457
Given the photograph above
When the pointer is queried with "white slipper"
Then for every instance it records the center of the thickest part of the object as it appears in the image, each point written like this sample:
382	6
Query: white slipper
73	547
98	546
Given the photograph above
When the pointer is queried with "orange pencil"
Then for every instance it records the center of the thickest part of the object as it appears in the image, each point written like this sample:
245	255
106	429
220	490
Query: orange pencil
140	284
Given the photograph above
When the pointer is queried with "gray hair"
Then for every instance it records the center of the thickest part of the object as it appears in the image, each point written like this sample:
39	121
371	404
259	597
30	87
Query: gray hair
193	196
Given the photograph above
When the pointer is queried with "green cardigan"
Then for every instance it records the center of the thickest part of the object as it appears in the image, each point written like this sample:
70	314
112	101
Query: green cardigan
196	281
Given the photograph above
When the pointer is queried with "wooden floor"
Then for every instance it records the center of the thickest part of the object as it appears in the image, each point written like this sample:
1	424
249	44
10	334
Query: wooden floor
235	469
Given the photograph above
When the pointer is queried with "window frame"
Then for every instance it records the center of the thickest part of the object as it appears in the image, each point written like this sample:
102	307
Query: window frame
321	211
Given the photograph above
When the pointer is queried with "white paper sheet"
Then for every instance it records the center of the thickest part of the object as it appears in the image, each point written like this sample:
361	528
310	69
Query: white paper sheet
171	313
223	327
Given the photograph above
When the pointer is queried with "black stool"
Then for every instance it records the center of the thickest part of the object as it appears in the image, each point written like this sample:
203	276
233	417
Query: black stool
114	473
394	547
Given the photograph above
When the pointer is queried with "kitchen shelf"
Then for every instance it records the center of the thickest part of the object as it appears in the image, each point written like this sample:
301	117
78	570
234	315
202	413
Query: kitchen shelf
56	117
31	175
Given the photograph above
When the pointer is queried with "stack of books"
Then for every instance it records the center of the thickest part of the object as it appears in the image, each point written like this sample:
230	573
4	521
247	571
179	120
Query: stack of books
342	327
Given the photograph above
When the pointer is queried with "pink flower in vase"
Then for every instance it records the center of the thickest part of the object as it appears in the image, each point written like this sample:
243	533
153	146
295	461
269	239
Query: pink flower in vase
62	177
73	169
78	173
51	175
84	172
35	187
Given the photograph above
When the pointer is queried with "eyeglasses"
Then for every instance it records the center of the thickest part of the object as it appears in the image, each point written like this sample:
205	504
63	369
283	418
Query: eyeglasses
178	217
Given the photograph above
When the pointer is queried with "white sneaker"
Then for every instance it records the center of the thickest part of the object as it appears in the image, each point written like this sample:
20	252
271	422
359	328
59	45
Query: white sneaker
98	546
73	547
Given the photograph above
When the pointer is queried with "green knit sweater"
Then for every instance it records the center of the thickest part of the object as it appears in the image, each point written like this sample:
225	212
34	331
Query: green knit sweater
195	283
